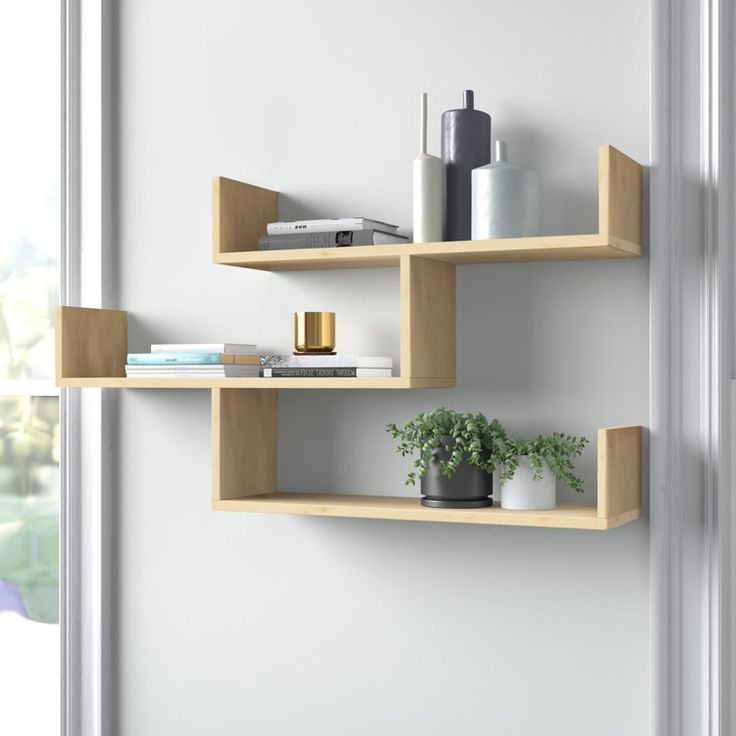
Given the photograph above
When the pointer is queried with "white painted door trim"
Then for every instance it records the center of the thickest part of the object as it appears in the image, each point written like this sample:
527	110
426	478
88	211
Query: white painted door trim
692	363
88	416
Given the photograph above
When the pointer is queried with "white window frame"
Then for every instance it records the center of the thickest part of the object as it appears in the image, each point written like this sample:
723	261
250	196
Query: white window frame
88	416
692	364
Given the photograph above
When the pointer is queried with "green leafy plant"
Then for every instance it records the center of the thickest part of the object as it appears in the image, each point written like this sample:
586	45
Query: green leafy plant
473	439
556	449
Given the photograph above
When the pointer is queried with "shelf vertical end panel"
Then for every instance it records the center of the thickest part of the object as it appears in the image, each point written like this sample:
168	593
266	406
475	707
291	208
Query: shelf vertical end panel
619	195
619	473
90	343
240	213
427	318
244	438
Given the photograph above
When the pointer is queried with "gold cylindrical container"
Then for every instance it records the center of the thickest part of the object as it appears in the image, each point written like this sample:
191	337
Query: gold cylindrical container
314	332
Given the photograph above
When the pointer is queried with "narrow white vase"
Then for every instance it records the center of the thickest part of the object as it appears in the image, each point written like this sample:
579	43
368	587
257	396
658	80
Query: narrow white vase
427	183
523	493
506	199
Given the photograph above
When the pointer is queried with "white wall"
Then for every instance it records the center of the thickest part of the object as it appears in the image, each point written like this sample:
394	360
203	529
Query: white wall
239	623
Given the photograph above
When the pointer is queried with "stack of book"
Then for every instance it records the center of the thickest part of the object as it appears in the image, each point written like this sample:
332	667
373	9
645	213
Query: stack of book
337	233
343	365
208	360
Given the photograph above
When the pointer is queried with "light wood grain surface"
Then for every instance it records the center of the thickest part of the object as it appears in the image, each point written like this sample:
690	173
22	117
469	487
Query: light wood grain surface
506	250
427	318
244	438
565	516
240	213
619	195
207	382
619	470
90	343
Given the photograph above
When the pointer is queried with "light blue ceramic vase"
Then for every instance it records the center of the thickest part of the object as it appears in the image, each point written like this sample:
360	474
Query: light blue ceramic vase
506	199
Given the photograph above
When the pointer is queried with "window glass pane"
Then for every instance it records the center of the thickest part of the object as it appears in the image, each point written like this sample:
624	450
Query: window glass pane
28	294
30	174
29	506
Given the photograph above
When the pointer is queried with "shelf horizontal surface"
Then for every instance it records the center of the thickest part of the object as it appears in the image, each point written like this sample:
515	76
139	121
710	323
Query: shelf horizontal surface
208	382
506	250
565	516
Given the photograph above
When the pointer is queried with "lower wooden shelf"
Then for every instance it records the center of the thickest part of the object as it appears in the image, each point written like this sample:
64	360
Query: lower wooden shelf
244	470
565	516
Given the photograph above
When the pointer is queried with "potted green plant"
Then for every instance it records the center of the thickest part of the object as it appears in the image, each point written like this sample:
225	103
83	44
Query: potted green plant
454	456
530	469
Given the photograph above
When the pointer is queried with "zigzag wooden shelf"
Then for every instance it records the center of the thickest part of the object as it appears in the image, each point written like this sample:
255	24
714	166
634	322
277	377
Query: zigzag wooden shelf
91	348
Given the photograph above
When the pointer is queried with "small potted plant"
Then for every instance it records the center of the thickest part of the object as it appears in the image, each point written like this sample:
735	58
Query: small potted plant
530	469
454	456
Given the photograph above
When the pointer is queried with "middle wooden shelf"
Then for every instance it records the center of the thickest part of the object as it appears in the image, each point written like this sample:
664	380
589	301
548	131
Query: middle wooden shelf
394	382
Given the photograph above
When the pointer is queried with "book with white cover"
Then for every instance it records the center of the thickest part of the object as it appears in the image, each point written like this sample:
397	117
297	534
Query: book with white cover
161	358
341	360
329	226
231	370
205	347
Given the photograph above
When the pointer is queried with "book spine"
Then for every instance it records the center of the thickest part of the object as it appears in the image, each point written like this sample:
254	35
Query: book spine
174	358
340	239
309	372
183	370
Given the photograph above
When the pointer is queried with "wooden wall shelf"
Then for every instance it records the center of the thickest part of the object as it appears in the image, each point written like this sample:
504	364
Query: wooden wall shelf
93	343
244	439
399	508
395	382
507	250
91	348
240	213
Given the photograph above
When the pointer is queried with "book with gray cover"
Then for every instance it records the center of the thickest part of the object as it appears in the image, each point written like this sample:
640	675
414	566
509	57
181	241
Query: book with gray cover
339	239
326	372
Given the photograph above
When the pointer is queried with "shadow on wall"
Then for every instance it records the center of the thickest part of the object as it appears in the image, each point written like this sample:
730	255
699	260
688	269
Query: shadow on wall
528	145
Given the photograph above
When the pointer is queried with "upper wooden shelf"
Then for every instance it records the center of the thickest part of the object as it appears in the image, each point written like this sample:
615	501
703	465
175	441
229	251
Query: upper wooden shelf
507	250
240	213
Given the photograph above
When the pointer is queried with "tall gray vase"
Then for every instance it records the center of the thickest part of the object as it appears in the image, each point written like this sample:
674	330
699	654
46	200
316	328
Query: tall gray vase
466	144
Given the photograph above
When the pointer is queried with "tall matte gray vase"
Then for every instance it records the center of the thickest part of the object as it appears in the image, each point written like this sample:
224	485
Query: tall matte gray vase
466	144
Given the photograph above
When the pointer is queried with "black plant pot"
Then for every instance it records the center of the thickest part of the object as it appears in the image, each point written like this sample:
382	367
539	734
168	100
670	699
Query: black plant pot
468	488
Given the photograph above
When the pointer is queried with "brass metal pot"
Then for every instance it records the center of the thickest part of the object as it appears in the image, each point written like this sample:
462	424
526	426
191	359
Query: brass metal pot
314	332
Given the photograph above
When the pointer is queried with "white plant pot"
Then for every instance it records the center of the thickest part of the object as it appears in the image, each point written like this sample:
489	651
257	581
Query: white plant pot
523	493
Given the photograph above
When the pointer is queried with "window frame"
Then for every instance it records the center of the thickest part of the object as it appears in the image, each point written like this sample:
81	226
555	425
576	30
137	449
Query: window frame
88	417
692	321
